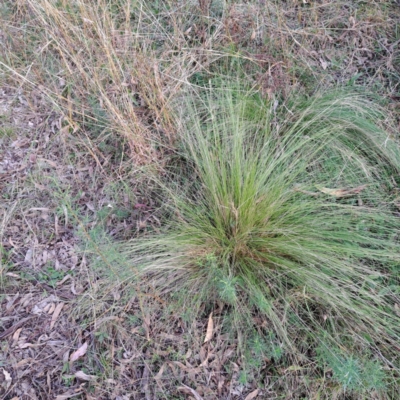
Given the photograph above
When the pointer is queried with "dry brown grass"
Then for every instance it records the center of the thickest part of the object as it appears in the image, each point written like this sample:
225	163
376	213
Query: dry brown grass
131	68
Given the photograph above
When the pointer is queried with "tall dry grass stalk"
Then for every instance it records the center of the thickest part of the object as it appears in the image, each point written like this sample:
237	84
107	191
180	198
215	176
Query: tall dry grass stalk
120	57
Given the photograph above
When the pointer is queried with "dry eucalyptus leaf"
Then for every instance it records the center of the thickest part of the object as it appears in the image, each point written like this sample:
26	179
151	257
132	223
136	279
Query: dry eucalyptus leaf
7	379
160	372
63	280
324	64
25	345
188	390
79	353
252	395
66	395
56	314
28	256
341	192
210	328
16	336
12	275
84	377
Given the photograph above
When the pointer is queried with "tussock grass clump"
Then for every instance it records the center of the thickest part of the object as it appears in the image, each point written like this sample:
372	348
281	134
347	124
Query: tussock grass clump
259	223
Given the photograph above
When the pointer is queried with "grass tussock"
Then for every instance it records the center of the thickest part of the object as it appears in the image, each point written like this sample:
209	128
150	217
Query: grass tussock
259	225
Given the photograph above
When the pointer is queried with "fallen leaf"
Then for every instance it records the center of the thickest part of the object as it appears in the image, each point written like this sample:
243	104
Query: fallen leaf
32	158
51	308
11	329
186	368
28	256
16	336
252	395
85	377
73	290
7	380
160	372
12	275
293	368
324	64
341	192
146	325
90	207
141	224
397	309
63	280
39	187
210	328
204	362
21	363
56	314
141	206
26	345
116	294
79	353
44	209
188	354
47	308
145	383
253	35
65	356
189	390
66	395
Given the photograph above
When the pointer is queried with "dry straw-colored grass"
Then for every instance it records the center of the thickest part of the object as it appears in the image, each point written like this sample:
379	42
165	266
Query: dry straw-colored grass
131	63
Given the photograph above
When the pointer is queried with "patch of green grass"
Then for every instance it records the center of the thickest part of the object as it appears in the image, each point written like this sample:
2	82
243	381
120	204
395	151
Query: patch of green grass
6	132
5	265
51	276
353	373
259	225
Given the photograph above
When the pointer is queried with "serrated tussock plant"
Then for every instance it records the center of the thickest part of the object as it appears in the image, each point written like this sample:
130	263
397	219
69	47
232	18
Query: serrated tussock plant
282	211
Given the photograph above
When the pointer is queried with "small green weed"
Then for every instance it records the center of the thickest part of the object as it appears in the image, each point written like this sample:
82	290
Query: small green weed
101	336
5	264
6	132
51	276
351	372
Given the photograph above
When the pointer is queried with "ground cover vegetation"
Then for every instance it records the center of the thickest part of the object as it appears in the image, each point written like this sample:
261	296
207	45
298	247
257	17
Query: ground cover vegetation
200	199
